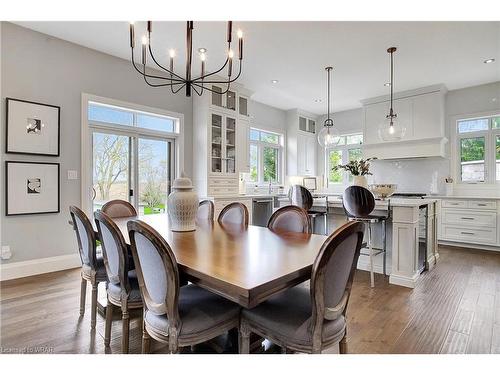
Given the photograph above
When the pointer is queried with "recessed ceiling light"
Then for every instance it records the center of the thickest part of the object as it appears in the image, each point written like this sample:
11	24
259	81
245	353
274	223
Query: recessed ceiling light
387	84
202	50
274	81
489	61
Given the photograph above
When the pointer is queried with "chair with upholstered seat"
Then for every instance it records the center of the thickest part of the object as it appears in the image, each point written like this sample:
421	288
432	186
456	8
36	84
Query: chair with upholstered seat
290	219
205	210
235	213
118	208
177	316
93	270
301	197
311	320
359	204
123	288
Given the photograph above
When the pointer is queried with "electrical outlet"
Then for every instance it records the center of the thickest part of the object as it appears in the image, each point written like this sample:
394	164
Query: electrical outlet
6	253
72	175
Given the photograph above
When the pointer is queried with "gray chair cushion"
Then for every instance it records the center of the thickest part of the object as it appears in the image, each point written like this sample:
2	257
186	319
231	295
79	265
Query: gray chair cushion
114	290
288	317
100	269
199	310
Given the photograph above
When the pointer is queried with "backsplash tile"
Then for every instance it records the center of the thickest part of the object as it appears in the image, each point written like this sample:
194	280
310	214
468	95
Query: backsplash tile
412	175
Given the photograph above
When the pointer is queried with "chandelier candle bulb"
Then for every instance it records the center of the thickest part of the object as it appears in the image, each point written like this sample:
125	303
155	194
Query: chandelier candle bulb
132	35
240	47
144	44
150	27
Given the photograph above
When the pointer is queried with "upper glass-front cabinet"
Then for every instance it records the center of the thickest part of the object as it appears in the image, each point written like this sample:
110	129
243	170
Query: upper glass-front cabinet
223	144
243	106
227	100
307	125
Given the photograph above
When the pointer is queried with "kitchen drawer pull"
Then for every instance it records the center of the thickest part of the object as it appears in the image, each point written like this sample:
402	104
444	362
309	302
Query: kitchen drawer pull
482	204
469	233
467	218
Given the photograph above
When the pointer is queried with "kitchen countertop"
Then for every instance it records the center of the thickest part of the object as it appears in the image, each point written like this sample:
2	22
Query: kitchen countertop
461	197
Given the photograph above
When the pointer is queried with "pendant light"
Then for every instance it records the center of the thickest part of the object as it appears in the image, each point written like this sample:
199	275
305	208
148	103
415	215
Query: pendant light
328	136
391	129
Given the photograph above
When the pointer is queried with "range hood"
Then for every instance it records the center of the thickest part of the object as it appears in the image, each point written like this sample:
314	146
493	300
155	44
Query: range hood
410	149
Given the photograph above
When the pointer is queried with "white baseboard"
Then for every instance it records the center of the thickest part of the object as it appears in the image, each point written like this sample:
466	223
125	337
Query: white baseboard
406	281
15	270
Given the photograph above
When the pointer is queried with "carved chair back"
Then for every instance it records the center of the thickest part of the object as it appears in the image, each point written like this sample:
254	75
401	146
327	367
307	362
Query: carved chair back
333	273
205	210
118	208
114	251
234	213
85	237
290	219
157	271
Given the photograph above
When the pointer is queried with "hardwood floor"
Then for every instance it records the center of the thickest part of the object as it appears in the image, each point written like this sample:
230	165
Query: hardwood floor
455	308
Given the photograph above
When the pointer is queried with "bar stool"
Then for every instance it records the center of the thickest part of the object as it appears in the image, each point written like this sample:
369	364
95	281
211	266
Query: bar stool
359	204
302	197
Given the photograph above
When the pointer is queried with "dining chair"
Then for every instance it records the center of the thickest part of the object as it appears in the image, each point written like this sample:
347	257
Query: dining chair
118	208
359	203
290	219
310	321
174	315
93	269
205	210
302	197
123	288
234	213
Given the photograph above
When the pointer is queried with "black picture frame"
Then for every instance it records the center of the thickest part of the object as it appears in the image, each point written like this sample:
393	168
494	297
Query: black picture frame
9	150
9	162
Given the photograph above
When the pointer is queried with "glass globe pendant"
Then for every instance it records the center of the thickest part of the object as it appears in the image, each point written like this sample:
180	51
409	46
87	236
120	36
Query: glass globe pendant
391	129
329	136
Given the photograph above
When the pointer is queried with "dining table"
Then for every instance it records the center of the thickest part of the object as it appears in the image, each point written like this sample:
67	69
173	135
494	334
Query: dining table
245	264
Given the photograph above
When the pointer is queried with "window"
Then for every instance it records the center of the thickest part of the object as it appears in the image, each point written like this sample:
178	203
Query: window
103	113
348	148
132	156
478	149
265	157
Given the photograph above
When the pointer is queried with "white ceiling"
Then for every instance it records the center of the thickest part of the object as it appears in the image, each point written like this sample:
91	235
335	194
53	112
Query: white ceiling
295	53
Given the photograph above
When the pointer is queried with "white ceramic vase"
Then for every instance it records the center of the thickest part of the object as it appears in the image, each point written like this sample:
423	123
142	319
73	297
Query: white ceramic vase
182	205
360	181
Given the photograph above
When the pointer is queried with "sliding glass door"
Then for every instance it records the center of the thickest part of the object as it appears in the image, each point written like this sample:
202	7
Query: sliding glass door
133	168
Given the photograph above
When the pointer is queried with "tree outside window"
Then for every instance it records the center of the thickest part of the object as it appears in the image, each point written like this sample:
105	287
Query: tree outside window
265	157
346	150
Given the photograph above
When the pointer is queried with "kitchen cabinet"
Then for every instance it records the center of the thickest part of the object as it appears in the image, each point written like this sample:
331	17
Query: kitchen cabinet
470	222
301	144
220	140
420	111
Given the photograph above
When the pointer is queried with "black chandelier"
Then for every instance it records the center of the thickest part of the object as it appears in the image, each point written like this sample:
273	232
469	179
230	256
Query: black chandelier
175	81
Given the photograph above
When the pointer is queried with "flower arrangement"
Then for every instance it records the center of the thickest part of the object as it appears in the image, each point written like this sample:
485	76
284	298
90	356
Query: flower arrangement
356	167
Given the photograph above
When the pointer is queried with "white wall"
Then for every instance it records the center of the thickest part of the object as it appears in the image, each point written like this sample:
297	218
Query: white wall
41	68
267	117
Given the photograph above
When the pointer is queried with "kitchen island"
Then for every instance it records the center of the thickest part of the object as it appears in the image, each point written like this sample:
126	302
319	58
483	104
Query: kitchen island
411	237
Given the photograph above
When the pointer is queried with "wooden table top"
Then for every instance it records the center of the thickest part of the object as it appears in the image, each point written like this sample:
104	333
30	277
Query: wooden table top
244	265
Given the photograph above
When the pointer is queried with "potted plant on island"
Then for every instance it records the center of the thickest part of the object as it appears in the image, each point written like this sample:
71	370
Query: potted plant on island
359	169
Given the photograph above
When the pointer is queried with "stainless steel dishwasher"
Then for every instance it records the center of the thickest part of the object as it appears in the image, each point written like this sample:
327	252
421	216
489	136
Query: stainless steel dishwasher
262	209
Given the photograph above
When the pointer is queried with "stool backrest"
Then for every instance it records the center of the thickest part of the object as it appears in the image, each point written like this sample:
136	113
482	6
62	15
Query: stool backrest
301	197
358	201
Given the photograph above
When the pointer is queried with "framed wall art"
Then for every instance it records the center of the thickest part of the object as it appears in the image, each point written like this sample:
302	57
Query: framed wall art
31	188
32	128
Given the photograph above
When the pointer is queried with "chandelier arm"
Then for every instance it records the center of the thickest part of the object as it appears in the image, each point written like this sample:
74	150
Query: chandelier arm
171	84
229	81
150	75
196	91
179	89
161	66
211	74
